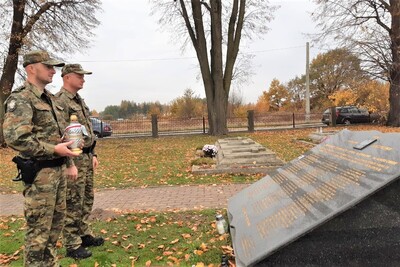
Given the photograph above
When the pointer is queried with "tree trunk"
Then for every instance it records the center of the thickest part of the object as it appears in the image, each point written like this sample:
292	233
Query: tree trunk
394	91
216	79
394	99
219	97
10	67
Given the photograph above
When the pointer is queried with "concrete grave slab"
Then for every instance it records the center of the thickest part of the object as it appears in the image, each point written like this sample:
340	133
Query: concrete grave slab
242	155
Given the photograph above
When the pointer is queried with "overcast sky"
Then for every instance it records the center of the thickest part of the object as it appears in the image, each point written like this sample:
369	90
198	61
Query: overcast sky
132	59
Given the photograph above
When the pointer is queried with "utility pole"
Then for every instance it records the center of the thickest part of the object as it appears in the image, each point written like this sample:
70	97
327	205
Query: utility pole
307	82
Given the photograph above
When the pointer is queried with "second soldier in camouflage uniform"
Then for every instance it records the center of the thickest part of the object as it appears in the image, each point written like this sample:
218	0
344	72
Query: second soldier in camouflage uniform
33	126
80	195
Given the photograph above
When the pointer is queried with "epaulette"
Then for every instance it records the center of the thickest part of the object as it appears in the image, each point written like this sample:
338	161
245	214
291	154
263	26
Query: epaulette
18	89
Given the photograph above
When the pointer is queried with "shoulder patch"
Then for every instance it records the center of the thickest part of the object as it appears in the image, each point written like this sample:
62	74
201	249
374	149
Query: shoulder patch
11	106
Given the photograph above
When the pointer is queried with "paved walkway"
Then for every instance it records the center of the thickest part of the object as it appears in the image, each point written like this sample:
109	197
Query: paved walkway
143	199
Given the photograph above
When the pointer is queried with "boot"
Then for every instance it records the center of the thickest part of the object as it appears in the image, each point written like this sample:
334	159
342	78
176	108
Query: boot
91	241
79	253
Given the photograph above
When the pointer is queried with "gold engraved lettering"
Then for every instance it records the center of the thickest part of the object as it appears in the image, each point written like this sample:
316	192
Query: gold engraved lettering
260	189
263	204
246	216
386	148
353	157
247	246
315	169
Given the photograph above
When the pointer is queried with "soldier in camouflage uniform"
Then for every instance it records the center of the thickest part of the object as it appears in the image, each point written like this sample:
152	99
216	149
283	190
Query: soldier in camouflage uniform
32	126
80	194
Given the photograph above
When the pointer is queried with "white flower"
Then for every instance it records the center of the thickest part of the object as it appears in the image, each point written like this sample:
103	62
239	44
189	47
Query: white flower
210	150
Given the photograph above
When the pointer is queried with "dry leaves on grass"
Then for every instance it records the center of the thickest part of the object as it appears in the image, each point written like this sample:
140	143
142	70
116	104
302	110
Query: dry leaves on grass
6	259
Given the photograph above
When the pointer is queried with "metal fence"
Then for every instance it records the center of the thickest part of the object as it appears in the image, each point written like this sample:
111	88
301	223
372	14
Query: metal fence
173	126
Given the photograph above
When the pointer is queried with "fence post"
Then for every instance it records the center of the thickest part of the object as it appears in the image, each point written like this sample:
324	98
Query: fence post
204	125
250	120
154	125
332	119
294	121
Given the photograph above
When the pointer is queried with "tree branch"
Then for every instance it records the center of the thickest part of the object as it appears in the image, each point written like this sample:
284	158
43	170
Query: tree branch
206	5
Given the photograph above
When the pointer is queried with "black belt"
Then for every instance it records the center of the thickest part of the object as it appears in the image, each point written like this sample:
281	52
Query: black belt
51	163
86	150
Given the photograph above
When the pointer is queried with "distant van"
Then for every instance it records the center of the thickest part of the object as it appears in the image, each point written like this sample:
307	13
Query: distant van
347	115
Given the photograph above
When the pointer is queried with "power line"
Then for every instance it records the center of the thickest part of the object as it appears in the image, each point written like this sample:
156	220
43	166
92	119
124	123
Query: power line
184	58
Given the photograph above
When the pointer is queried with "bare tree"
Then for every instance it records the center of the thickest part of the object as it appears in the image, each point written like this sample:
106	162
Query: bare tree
235	101
60	27
370	29
215	28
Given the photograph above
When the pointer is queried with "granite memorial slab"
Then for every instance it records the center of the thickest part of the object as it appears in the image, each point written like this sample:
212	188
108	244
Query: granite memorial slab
348	184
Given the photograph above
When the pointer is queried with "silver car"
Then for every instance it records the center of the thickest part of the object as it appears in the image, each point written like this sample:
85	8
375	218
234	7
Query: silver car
101	129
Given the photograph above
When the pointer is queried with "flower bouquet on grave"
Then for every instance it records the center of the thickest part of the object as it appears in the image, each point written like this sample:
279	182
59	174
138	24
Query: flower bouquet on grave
210	151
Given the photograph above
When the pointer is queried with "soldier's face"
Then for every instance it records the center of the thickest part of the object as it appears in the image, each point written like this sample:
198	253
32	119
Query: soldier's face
44	73
76	80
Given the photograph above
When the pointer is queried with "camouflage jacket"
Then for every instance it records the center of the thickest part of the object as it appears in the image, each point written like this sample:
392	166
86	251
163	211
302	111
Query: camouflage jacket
74	104
33	122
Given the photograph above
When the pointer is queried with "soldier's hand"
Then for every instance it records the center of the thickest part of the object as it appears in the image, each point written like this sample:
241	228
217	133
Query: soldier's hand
95	162
62	149
72	172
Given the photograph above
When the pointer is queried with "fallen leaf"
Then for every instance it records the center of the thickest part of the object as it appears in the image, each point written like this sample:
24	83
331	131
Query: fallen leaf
198	252
128	246
148	263
59	244
186	236
174	241
174	259
203	247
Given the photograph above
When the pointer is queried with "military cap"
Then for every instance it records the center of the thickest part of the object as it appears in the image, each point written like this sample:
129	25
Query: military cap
41	56
73	68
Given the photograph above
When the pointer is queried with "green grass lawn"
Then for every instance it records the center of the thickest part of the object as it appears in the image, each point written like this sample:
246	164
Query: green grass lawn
140	239
149	161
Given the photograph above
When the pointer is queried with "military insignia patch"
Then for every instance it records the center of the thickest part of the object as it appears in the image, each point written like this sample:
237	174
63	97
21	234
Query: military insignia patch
11	106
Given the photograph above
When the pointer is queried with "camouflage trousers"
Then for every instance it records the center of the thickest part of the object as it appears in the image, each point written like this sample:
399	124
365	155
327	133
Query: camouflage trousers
44	211
80	197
